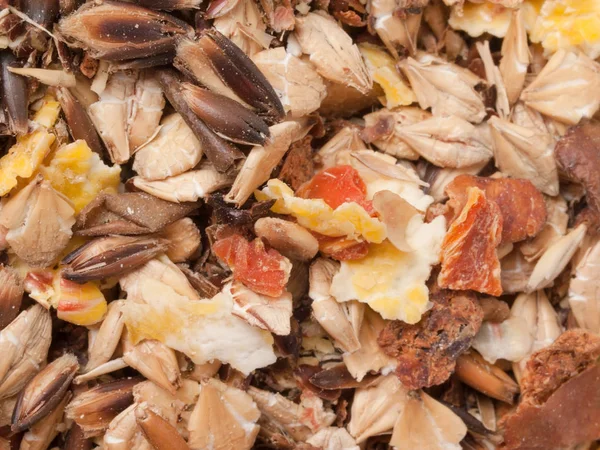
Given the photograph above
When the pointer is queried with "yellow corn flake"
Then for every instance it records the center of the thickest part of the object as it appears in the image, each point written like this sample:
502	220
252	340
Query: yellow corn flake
38	284
390	281
569	25
382	67
79	174
80	304
24	158
204	330
47	115
349	219
479	18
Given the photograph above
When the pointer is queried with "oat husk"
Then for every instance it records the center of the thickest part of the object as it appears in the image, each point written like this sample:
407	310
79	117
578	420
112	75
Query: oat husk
184	240
330	314
444	87
397	24
348	138
376	408
494	79
515	272
555	259
583	298
173	151
39	221
187	187
104	340
332	51
243	23
370	357
380	130
515	57
155	361
524	153
224	417
554	228
449	142
541	322
300	86
300	421
11	294
263	159
24	344
555	93
268	313
425	422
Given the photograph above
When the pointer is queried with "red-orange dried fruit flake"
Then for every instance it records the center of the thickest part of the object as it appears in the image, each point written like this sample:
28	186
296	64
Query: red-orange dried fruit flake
521	204
469	258
265	271
336	186
342	249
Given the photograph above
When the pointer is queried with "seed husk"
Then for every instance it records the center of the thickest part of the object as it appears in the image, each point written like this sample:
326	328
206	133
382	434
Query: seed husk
131	213
94	409
41	434
488	379
117	31
226	117
78	120
170	5
160	433
76	441
24	345
11	295
110	256
240	74
15	93
220	153
44	392
155	361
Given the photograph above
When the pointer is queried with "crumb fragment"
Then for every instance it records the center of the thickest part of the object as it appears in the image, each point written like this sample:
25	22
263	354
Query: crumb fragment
298	165
560	396
578	155
572	353
427	351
